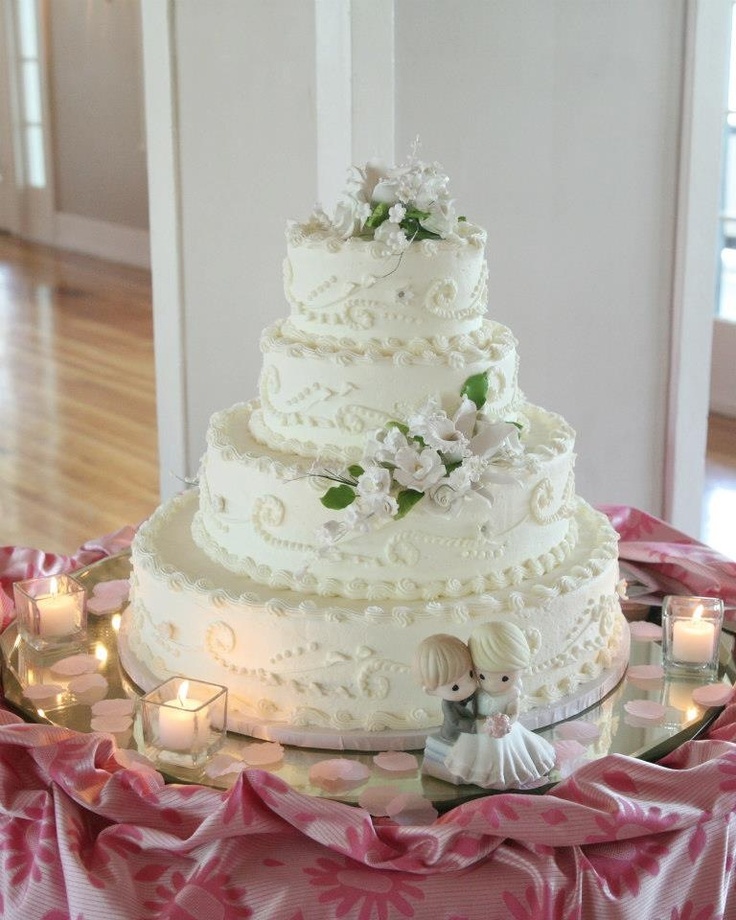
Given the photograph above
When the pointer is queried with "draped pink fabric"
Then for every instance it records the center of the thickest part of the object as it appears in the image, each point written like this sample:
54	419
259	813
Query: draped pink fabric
85	837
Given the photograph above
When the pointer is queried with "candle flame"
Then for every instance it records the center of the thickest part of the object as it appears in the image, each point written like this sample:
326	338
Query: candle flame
698	612
183	690
54	585
101	653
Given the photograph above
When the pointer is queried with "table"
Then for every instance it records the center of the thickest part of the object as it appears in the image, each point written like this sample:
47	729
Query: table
86	837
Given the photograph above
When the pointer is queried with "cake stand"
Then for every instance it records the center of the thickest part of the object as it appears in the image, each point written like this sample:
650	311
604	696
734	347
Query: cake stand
610	725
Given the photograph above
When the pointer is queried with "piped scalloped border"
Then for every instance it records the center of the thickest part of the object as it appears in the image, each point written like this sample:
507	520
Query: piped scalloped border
303	234
406	589
491	341
521	596
256	454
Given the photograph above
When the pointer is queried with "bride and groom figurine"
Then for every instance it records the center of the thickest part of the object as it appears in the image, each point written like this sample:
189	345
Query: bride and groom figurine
481	740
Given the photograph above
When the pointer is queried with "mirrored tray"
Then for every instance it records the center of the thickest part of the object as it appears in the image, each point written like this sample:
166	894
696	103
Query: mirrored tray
604	728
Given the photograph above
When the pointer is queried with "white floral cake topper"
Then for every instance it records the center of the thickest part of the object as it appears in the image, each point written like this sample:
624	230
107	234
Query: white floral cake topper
432	457
394	206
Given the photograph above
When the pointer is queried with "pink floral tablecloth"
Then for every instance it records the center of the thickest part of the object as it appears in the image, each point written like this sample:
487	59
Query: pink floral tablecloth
86	837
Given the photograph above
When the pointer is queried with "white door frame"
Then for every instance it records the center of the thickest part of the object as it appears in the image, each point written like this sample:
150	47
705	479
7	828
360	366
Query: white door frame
707	31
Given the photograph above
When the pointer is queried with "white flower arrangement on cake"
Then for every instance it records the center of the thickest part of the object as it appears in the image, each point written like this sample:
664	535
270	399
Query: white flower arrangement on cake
432	457
393	206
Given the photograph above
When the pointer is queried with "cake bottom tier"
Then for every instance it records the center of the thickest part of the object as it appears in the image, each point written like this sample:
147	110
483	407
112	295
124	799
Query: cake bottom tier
332	672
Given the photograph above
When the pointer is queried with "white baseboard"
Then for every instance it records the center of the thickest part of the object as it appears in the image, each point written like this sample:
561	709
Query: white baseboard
102	239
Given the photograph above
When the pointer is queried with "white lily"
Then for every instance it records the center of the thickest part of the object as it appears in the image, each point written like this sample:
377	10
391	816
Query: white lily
492	436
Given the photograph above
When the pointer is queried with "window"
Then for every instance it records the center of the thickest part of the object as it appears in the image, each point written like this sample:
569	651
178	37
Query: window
29	80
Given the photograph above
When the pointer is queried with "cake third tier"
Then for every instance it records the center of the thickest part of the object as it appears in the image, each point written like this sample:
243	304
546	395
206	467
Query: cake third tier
260	515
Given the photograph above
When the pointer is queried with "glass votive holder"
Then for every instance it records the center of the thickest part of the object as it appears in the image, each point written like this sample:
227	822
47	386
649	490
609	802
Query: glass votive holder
691	632
51	611
184	722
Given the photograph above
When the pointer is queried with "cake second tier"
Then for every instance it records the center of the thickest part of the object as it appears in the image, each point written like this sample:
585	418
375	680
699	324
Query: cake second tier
260	514
320	395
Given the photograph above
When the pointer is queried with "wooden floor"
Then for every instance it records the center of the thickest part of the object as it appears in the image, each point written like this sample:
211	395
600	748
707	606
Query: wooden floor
719	498
78	448
78	453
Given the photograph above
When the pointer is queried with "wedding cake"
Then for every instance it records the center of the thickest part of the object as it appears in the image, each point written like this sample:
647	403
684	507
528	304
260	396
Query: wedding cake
389	483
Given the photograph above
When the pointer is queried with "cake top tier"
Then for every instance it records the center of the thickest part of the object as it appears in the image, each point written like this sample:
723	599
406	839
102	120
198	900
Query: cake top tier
395	260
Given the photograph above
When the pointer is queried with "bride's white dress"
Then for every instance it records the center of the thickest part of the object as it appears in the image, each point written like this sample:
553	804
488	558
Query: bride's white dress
516	759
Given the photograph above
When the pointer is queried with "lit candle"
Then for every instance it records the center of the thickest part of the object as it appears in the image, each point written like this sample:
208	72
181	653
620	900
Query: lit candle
58	613
179	726
693	640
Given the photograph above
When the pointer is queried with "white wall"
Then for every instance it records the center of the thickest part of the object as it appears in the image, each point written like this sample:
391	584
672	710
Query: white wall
558	121
559	124
96	96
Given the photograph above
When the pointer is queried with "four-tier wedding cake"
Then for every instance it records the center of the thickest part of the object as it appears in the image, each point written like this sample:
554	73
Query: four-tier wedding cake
389	483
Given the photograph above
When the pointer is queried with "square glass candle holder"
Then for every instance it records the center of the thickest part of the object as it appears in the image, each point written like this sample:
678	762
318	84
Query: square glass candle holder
184	722
691	633
51	611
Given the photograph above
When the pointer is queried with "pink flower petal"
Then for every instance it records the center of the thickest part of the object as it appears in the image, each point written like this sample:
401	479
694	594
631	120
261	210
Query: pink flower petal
644	631
338	774
410	808
260	754
38	693
88	682
712	694
645	672
116	587
570	755
376	799
108	596
115	725
396	762
75	664
581	731
116	707
568	750
648	710
89	688
222	764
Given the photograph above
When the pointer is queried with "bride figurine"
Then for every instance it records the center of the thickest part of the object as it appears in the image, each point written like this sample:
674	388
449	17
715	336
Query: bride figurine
502	753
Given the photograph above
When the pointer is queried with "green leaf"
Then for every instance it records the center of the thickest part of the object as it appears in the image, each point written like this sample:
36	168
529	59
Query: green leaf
356	471
338	497
476	389
404	429
414	230
415	214
377	216
406	499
